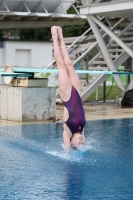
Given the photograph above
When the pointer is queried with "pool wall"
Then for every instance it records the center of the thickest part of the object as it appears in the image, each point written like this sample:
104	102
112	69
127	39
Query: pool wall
27	104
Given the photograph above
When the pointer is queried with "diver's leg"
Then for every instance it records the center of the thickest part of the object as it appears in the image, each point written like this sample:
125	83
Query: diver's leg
71	71
64	81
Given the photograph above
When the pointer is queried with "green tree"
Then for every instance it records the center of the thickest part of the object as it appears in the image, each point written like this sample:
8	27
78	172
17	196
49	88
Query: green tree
75	30
44	34
35	34
1	34
71	31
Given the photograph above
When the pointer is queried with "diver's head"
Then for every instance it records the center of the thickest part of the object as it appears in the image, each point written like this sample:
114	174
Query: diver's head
77	140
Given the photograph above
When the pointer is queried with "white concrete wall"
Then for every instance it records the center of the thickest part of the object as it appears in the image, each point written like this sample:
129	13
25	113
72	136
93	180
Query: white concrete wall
39	53
27	104
1	63
10	103
1	57
38	104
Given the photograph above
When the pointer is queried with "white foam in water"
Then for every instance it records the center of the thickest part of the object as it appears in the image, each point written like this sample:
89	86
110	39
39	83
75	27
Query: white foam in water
63	155
93	143
72	155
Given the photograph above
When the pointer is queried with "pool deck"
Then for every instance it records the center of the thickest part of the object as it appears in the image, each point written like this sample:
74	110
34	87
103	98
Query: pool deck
98	111
93	111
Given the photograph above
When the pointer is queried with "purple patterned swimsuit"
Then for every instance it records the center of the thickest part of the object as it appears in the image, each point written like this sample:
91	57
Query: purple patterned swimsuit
76	120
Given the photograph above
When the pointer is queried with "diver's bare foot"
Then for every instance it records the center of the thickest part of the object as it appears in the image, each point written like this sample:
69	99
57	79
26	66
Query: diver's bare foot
54	32
60	35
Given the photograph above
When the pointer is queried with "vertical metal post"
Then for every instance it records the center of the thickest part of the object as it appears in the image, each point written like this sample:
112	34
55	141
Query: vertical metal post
87	75
97	94
104	91
129	82
128	68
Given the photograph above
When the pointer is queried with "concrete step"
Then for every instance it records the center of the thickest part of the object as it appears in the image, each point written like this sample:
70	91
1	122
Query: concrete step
126	38
128	33
83	82
116	50
113	56
94	75
99	62
130	28
98	68
117	45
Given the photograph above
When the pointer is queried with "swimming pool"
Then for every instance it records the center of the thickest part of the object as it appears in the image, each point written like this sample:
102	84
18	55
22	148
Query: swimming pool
33	165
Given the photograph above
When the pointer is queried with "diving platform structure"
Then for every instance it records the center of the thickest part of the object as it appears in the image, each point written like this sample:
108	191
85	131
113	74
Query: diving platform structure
106	45
111	22
37	14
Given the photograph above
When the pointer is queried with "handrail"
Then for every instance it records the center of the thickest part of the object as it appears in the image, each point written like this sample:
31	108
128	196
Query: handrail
88	50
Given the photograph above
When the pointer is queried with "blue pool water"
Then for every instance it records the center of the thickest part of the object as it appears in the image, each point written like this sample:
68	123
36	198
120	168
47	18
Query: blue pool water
33	165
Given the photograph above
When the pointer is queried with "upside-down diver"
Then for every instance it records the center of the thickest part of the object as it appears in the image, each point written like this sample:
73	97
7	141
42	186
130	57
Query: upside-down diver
70	92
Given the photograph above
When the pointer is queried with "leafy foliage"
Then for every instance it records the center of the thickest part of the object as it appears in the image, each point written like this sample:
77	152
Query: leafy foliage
71	31
35	34
1	34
